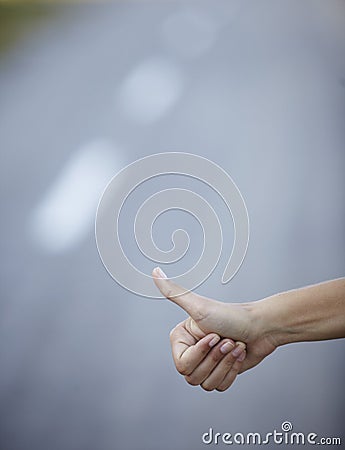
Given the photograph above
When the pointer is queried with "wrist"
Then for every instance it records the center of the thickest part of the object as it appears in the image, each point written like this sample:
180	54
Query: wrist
260	322
307	314
271	317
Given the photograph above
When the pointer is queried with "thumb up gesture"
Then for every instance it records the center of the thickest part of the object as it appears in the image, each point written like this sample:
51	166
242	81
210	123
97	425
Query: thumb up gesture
207	347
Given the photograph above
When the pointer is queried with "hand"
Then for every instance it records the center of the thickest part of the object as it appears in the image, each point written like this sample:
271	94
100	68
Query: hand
311	313
237	321
204	359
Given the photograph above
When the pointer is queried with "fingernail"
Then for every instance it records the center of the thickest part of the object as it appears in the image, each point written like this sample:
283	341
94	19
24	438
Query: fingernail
237	350
225	348
160	272
242	356
214	341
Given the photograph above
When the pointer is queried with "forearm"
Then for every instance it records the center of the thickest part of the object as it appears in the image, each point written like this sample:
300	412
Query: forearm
308	314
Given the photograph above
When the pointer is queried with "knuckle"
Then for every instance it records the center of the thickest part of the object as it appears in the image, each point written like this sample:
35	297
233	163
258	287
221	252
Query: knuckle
226	384
221	388
192	380
174	331
207	387
182	367
236	367
204	348
168	289
229	361
216	356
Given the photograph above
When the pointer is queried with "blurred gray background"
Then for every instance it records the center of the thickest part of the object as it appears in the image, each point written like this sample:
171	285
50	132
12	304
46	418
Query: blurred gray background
259	88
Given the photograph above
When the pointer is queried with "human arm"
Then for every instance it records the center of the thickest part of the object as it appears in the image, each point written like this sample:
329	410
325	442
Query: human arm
311	313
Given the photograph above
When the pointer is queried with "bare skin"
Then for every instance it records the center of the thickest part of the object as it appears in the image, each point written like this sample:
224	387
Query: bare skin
252	330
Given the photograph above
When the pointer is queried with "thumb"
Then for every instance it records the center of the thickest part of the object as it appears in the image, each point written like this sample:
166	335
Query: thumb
194	305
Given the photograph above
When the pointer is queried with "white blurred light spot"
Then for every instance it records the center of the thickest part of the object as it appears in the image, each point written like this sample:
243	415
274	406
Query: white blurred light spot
151	90
189	33
67	211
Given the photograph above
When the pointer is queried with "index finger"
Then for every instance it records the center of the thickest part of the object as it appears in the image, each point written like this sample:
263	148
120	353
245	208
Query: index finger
187	351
